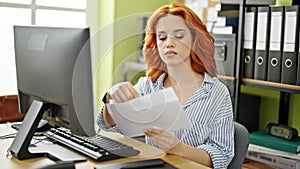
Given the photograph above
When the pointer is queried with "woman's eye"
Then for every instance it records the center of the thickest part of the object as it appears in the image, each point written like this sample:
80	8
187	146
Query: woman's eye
179	36
162	38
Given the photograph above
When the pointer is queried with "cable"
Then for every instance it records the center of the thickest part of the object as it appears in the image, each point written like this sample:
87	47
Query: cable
38	140
7	136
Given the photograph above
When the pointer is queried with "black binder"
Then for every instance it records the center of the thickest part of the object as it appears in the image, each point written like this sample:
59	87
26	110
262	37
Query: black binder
142	22
262	43
298	65
276	45
249	41
290	46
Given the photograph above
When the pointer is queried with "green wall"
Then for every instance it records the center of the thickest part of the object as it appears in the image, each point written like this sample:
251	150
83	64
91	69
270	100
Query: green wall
269	108
117	39
104	53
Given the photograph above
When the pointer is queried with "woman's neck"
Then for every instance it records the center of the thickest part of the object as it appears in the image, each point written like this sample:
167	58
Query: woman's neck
184	81
183	74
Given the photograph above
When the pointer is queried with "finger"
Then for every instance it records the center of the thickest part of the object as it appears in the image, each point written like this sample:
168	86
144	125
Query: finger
130	90
133	92
150	133
147	133
159	134
119	91
123	97
125	92
116	87
155	131
163	135
162	143
116	97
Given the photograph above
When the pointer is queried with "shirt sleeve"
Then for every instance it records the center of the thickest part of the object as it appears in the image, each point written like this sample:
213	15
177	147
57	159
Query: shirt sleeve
220	145
102	125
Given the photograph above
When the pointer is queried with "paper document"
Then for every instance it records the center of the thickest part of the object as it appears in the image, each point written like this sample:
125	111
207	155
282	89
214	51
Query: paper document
159	109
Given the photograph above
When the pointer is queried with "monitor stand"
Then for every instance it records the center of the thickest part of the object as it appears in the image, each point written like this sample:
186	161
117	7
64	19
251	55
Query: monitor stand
21	149
21	143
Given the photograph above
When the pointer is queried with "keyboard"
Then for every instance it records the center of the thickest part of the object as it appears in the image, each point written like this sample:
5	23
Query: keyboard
99	148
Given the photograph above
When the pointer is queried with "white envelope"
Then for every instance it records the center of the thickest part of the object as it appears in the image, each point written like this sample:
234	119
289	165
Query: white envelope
159	109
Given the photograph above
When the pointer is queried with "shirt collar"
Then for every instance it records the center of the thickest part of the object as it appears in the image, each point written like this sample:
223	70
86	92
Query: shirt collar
207	83
202	92
160	81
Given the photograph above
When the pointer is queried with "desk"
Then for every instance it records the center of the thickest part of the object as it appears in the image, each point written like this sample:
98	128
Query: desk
147	152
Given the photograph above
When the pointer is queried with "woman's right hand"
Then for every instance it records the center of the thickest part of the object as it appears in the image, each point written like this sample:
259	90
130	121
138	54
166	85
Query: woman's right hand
122	92
119	92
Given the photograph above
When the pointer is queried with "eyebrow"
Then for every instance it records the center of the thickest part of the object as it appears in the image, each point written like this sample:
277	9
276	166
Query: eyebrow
177	30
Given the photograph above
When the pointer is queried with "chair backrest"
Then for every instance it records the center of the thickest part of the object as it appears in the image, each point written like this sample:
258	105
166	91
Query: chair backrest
241	143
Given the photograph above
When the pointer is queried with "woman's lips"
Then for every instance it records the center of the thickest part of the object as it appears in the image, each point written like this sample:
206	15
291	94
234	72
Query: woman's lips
170	53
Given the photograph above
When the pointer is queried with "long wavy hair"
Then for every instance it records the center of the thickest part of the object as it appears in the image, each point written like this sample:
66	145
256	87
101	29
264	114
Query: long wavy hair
202	50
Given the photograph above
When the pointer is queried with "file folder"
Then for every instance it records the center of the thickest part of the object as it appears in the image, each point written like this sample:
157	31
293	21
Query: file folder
290	46
225	53
298	65
249	41
276	45
262	43
142	22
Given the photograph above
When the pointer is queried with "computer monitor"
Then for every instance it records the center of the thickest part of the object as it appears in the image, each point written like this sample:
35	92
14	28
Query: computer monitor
54	80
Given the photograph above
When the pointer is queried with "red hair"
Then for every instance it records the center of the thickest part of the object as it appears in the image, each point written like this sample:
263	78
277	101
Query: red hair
202	52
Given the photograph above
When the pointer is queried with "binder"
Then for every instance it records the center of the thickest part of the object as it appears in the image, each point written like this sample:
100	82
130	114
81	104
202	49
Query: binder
249	41
142	22
262	43
276	45
225	53
262	138
298	65
290	46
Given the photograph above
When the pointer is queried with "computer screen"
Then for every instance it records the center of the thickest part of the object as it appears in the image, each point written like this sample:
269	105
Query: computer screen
53	66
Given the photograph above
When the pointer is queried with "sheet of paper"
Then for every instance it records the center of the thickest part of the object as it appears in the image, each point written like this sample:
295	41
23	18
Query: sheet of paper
159	109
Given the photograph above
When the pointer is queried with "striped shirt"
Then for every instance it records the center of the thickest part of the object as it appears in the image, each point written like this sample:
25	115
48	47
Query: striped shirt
210	112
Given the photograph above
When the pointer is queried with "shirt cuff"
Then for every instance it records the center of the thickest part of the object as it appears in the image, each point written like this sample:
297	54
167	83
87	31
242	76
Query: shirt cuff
102	125
218	157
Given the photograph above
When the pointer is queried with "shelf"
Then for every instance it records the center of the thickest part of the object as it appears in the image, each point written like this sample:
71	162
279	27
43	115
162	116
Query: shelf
229	78
285	89
250	2
271	85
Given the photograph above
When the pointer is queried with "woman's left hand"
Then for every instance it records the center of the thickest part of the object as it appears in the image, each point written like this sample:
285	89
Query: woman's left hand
163	139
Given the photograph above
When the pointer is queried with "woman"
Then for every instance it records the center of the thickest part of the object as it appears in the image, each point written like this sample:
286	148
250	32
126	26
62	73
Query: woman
179	53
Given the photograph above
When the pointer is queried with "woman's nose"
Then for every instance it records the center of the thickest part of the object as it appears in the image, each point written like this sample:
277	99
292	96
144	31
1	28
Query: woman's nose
170	42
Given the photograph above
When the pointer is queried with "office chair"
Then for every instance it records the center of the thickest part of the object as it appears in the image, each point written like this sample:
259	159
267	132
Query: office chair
241	143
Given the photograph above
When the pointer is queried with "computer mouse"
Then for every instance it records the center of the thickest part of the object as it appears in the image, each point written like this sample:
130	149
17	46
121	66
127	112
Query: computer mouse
60	165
